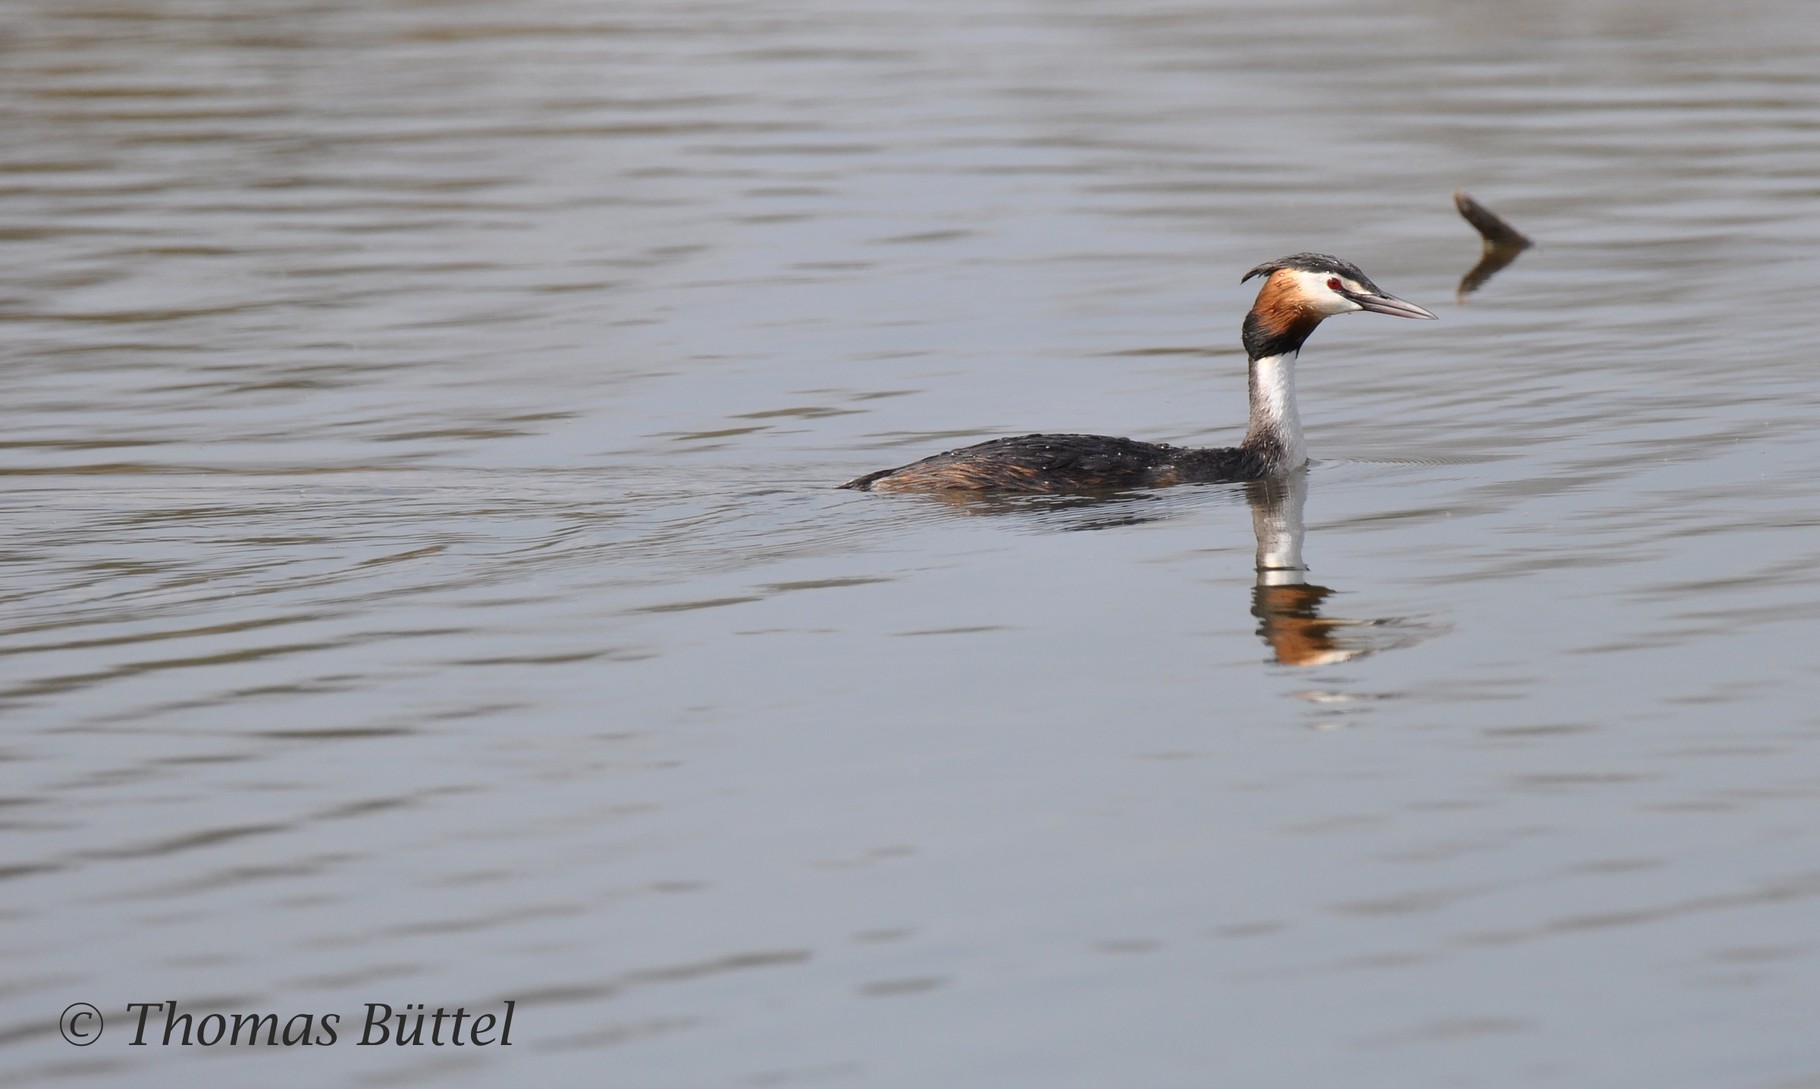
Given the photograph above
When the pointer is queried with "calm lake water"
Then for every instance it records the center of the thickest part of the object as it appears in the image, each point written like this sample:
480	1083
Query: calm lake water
423	582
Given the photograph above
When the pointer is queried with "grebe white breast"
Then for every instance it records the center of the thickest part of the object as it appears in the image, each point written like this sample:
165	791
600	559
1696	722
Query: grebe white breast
1299	292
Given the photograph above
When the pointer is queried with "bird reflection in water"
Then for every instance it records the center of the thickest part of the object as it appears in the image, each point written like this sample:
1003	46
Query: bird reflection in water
1288	606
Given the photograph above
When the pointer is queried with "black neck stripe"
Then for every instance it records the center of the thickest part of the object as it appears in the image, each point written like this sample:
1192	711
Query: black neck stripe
1262	341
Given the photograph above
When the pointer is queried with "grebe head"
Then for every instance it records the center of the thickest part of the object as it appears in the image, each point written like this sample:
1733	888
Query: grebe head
1318	284
1301	290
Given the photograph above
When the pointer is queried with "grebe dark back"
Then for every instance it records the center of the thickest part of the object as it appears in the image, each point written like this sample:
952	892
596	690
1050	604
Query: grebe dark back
1298	293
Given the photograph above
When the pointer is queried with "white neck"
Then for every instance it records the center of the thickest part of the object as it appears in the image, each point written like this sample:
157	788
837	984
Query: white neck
1275	423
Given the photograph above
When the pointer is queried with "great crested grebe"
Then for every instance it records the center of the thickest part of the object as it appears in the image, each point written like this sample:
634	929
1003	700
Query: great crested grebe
1298	292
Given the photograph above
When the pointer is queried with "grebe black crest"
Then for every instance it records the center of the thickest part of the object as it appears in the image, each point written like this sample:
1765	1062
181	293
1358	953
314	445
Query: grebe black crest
1298	293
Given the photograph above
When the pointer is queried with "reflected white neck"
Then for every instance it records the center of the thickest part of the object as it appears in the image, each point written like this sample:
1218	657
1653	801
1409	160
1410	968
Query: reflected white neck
1276	519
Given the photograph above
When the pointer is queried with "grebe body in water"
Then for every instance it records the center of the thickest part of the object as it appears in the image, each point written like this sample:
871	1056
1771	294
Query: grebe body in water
1299	292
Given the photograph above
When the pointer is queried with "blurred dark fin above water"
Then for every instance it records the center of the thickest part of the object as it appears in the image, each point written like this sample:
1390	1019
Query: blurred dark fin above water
1490	226
1502	243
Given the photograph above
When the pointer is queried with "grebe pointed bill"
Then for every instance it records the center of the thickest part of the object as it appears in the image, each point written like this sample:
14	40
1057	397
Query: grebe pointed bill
1297	294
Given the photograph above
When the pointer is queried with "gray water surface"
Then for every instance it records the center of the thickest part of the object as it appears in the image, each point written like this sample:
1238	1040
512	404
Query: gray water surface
422	580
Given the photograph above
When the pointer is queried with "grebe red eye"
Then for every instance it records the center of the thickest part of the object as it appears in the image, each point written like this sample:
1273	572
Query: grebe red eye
1333	283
